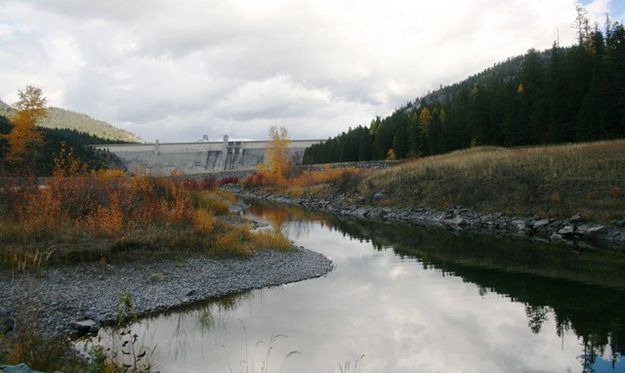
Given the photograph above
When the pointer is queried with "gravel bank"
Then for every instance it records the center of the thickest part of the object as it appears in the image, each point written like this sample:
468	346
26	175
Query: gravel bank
89	290
574	231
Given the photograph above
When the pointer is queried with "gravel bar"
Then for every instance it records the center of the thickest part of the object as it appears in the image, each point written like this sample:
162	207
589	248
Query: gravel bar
88	291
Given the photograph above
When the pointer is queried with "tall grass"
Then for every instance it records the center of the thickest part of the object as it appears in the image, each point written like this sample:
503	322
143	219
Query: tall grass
546	180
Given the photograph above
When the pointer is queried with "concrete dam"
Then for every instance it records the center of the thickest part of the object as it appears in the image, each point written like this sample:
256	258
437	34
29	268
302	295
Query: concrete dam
199	157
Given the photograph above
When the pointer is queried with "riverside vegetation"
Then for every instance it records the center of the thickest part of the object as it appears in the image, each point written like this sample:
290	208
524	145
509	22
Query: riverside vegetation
108	216
80	214
540	183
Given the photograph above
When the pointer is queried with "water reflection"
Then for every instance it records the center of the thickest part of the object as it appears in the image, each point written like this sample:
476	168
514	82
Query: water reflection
403	299
583	288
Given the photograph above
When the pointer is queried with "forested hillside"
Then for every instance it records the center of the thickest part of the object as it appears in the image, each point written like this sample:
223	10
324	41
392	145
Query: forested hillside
560	95
52	139
65	119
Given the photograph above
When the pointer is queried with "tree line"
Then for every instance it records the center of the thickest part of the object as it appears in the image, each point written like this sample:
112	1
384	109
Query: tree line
53	140
29	150
570	94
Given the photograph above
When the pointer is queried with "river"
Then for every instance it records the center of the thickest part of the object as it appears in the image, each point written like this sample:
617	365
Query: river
406	299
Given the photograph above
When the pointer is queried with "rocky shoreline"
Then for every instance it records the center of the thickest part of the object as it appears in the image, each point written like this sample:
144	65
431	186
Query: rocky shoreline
573	231
84	296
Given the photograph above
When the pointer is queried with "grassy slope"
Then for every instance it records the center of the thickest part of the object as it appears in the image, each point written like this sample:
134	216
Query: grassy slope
61	118
554	181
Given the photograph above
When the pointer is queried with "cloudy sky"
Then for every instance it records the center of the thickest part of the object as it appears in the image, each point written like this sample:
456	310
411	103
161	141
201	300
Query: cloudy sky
175	70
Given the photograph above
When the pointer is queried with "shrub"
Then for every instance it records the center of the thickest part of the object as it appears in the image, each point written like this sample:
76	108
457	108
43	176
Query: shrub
207	183
234	241
262	178
270	239
216	201
615	193
295	185
228	180
204	221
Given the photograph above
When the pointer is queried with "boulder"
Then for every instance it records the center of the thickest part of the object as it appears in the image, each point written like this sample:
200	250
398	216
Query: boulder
540	224
85	326
236	208
594	230
457	221
519	225
156	277
378	196
575	218
373	213
555	237
567	230
581	229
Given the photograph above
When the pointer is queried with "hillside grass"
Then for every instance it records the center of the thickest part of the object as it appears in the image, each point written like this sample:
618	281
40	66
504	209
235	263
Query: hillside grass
58	118
548	181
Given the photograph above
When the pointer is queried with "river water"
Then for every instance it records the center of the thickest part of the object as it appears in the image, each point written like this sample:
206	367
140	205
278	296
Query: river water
405	299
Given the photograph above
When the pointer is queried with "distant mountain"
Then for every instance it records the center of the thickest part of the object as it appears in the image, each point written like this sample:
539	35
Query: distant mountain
65	119
4	107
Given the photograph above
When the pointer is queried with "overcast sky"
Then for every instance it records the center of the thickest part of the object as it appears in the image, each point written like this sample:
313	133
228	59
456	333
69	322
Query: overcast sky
175	70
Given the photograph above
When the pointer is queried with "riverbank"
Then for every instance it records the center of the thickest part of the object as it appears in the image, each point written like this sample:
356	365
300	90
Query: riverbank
574	230
88	292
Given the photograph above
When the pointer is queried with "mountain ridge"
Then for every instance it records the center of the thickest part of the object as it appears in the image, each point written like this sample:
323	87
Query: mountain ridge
66	119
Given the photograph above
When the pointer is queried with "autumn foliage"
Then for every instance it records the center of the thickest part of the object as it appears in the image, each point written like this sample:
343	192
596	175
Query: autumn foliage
111	209
24	139
277	166
304	182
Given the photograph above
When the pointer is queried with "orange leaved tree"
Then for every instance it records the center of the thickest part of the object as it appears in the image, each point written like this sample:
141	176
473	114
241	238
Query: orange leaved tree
24	139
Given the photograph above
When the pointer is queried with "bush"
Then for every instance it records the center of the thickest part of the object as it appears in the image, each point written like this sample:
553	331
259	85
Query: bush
108	212
228	180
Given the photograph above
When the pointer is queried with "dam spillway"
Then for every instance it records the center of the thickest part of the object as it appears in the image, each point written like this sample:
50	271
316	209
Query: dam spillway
199	157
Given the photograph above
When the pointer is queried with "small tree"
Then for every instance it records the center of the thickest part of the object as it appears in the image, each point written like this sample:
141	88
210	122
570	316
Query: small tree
277	161
24	139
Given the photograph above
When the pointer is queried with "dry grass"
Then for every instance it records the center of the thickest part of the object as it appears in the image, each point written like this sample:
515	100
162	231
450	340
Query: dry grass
551	180
241	241
217	202
271	239
327	175
307	182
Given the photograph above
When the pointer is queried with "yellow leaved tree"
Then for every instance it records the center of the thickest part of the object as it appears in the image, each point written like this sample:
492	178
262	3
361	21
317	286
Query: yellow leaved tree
277	161
24	139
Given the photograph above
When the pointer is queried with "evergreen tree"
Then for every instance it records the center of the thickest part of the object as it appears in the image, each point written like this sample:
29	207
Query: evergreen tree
560	95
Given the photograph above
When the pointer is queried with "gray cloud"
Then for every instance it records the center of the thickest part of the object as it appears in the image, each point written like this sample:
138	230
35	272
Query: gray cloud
177	70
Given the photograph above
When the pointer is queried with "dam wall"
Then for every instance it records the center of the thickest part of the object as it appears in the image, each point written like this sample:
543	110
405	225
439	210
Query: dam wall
199	157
